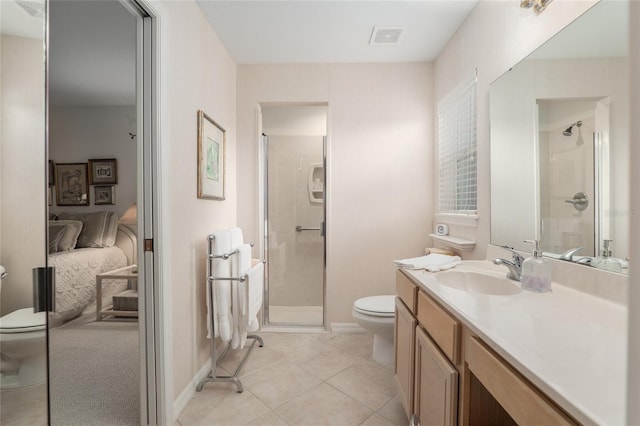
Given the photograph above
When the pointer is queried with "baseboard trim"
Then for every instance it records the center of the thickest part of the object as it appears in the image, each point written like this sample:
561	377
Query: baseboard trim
189	391
346	327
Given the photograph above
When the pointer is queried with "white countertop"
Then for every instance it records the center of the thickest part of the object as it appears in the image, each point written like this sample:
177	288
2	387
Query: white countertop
570	344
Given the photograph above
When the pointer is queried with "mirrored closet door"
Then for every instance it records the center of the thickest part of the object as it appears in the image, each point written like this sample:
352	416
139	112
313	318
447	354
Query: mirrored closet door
23	209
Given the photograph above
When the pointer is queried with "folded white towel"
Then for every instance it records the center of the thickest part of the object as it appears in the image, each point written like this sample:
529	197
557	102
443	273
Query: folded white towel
256	289
432	262
241	264
236	238
222	294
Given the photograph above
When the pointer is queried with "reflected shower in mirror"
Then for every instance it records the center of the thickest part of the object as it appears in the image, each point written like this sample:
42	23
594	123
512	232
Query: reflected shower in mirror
560	142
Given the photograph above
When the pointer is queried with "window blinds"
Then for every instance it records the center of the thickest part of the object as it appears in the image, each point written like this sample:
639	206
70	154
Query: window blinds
457	189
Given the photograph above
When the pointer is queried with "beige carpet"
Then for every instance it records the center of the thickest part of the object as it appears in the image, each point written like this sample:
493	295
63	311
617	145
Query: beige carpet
95	373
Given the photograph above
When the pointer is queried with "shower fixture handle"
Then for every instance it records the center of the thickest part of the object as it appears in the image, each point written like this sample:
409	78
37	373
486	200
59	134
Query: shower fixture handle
300	228
580	201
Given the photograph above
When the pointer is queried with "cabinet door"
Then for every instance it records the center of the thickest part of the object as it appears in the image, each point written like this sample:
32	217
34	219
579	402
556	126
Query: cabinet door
405	341
436	384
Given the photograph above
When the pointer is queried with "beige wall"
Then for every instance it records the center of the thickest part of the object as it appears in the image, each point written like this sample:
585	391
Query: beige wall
77	134
200	75
493	38
379	165
22	165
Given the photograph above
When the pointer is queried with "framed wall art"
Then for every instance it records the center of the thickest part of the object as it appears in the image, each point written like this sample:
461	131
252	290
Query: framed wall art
211	158
104	194
103	171
72	184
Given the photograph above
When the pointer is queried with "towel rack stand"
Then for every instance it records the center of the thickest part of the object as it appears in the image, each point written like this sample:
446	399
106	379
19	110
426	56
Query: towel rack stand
215	358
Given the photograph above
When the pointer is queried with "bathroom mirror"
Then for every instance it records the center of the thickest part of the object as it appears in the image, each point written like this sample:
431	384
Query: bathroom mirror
560	140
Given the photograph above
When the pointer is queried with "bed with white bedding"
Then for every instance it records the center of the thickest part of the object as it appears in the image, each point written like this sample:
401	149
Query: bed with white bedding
76	268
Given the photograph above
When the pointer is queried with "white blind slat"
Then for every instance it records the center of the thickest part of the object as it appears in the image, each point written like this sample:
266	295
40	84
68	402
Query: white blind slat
457	151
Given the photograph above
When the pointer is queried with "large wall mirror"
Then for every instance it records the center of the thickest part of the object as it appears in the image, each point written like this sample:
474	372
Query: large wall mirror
560	141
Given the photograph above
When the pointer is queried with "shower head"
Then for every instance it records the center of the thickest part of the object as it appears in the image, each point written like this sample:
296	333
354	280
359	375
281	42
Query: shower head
568	132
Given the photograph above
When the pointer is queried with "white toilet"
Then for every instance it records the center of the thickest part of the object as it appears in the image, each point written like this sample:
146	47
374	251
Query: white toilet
23	348
377	315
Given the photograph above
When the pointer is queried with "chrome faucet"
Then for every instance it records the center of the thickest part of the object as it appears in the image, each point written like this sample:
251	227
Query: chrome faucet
514	266
568	255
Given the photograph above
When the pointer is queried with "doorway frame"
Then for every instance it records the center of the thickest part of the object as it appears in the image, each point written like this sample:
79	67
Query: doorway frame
156	390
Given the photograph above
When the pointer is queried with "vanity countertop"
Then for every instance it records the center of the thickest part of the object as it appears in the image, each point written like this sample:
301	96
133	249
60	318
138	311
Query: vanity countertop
570	344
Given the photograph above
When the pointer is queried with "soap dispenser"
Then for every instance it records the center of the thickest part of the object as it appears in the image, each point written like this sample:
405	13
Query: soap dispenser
605	261
536	271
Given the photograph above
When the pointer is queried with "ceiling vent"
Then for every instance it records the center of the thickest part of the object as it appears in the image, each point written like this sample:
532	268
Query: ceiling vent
386	35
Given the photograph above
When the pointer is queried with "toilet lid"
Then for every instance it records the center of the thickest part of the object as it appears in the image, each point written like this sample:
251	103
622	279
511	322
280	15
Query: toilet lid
378	306
23	320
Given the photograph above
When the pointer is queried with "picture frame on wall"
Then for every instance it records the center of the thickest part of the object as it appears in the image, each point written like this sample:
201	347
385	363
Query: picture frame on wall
72	184
104	194
211	158
103	171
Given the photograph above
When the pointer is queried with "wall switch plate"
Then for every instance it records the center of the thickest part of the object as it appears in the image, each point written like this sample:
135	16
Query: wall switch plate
442	229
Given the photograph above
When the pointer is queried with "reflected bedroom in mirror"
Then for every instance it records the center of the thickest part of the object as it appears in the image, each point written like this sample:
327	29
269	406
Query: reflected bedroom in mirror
560	144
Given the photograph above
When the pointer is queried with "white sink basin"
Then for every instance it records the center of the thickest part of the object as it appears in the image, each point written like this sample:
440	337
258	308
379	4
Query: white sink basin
478	282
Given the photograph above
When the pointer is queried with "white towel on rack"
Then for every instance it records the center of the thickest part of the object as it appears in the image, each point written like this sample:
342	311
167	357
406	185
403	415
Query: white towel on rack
255	286
236	238
240	266
222	294
432	262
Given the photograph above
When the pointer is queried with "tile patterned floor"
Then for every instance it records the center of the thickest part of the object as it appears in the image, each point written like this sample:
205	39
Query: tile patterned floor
302	379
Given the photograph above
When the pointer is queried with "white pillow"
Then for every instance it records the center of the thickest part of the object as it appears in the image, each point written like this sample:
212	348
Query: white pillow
69	238
111	230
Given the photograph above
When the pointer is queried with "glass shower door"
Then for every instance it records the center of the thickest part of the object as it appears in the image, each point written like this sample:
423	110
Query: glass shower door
295	217
23	210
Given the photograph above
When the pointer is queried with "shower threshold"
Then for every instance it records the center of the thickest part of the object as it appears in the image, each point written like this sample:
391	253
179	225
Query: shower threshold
299	315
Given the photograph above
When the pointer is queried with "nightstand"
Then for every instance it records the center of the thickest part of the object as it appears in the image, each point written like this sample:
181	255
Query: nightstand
128	298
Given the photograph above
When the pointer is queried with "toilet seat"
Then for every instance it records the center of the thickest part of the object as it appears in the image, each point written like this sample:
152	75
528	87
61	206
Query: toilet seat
23	321
377	306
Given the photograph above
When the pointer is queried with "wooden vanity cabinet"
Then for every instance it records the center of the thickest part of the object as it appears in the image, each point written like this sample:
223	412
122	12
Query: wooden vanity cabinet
448	376
404	365
524	403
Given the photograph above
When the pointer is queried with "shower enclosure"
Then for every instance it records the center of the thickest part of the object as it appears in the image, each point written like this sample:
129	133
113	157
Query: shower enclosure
294	192
573	174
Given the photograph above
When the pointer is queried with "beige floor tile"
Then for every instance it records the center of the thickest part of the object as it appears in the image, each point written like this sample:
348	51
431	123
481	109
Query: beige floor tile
327	362
394	412
278	384
295	348
368	383
271	419
24	406
324	405
259	358
221	405
377	420
358	344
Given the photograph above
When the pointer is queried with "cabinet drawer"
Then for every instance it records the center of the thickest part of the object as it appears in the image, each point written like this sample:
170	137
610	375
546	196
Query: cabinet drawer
524	403
441	326
406	290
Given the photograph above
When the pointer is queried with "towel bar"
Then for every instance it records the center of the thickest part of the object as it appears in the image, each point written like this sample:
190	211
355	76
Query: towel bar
211	279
